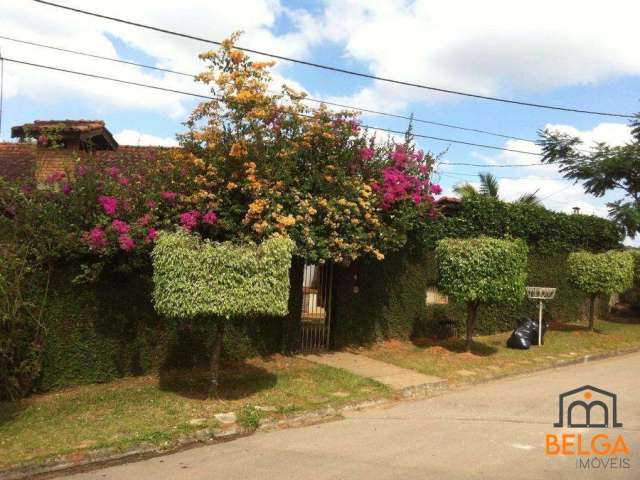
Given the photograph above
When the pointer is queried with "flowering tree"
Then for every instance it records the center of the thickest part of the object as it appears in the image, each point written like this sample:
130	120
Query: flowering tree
252	164
276	165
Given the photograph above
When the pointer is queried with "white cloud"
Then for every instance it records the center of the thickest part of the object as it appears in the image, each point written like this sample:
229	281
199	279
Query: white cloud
133	137
48	25
610	133
632	242
486	47
556	192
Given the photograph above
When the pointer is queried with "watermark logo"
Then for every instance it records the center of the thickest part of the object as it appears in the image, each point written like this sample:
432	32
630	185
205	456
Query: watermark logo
589	417
587	405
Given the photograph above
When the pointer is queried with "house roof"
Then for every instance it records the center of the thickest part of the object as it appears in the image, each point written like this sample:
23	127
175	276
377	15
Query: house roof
89	133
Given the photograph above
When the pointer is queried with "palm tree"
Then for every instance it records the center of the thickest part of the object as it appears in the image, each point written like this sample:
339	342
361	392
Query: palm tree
530	198
489	187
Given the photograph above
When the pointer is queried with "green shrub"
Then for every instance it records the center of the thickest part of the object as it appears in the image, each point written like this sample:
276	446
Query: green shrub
213	282
482	271
21	328
600	274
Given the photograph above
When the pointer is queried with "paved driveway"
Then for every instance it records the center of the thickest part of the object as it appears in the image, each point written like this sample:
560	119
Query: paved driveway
491	431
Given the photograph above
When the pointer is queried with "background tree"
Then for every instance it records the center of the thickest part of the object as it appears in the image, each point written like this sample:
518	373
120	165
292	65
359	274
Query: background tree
604	168
202	281
480	271
490	187
600	274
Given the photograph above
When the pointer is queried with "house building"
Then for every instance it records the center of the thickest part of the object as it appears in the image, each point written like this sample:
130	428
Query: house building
47	146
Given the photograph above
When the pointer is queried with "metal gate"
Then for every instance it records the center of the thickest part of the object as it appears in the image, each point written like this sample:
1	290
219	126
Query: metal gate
316	307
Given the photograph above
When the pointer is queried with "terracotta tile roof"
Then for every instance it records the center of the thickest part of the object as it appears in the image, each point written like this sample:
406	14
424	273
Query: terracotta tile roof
66	126
90	134
17	160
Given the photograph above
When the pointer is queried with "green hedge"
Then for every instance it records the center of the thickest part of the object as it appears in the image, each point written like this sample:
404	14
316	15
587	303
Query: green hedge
391	300
543	230
99	332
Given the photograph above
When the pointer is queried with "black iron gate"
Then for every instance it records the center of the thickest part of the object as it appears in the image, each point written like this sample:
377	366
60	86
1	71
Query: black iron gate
316	307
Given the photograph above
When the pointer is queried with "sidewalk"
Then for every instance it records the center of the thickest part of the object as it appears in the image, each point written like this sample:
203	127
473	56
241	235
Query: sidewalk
398	378
494	430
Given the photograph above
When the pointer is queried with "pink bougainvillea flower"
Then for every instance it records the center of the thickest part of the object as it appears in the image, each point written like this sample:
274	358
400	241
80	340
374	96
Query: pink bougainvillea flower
126	242
96	238
27	188
435	189
210	217
151	204
168	196
81	171
109	204
189	220
399	156
66	189
124	181
120	226
55	177
144	220
113	171
366	154
152	233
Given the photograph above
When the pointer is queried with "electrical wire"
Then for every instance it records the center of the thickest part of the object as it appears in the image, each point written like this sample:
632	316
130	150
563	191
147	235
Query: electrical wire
338	69
306	98
208	97
1	90
93	55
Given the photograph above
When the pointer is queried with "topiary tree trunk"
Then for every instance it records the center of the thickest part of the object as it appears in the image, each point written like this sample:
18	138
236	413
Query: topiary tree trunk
472	315
214	365
592	311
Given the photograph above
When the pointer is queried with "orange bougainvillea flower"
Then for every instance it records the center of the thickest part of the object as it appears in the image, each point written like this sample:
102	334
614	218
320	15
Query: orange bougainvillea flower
238	150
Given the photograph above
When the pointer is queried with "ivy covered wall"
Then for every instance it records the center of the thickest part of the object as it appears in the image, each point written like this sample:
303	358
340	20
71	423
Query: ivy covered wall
101	331
376	301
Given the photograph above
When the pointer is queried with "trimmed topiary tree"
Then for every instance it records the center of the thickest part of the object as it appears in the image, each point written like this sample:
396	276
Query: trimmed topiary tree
600	274
480	271
202	281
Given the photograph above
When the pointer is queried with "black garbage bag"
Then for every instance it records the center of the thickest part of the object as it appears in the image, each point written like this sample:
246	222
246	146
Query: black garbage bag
526	334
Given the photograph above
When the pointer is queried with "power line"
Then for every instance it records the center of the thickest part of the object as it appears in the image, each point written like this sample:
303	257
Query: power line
306	98
1	89
92	55
475	175
499	165
208	97
102	77
338	69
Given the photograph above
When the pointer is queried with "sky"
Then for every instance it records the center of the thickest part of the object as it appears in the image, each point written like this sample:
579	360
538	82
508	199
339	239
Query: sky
571	53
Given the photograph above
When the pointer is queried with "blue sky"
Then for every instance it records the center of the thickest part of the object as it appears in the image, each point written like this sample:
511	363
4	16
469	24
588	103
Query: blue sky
539	53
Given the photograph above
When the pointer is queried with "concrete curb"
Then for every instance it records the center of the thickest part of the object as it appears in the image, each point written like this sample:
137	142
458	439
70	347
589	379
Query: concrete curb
558	364
109	456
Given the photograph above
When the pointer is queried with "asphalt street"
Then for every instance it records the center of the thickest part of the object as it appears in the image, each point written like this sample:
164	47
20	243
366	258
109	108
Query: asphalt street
490	431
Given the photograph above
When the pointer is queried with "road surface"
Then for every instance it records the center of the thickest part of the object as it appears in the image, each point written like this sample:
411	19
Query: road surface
490	431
